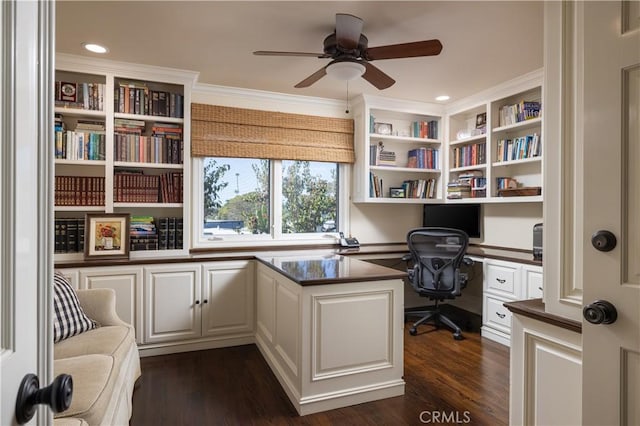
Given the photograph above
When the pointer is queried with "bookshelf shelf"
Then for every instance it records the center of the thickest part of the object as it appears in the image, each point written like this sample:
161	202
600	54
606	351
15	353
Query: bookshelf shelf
467	168
154	118
407	139
148	205
138	165
527	124
468	140
514	162
79	112
84	163
403	169
78	208
155	95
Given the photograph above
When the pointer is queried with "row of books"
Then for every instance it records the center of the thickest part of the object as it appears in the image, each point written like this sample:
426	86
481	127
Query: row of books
69	235
148	149
425	129
469	155
419	188
524	110
79	145
423	158
528	146
149	233
88	96
79	191
133	186
137	98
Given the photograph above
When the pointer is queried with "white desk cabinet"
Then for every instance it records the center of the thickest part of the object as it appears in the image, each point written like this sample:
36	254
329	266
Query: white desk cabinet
505	282
172	296
125	281
228	298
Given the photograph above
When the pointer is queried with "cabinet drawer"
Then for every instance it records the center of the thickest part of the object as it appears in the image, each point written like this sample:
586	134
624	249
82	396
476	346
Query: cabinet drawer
533	280
495	315
502	279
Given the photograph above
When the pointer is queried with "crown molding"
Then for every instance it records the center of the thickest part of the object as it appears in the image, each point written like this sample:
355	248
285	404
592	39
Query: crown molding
508	88
101	66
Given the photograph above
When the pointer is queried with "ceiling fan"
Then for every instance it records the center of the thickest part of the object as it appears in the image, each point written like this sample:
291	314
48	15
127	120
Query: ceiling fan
351	56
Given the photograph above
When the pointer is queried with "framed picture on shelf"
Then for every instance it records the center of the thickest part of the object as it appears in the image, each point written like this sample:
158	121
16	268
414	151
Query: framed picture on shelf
481	120
396	192
106	236
382	128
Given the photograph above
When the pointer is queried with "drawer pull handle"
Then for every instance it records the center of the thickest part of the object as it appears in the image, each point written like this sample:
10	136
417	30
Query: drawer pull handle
501	280
540	288
501	315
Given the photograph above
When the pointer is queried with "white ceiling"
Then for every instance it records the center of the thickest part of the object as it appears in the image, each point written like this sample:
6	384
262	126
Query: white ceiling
485	43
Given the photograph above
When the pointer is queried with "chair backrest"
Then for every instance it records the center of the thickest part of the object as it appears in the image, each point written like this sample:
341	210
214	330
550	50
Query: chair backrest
437	254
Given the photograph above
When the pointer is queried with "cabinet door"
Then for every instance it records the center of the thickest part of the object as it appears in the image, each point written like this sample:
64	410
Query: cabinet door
532	278
127	284
228	298
172	302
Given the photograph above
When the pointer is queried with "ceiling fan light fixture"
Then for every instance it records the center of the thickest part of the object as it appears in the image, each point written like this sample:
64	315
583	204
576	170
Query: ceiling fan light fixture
345	70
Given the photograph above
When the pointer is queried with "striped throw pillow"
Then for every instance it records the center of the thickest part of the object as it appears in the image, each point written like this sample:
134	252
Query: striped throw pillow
69	319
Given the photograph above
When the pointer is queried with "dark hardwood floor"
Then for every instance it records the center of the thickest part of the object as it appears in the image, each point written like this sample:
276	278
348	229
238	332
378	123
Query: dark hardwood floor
447	382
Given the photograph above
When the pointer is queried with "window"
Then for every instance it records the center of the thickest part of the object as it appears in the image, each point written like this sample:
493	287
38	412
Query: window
309	196
236	196
247	199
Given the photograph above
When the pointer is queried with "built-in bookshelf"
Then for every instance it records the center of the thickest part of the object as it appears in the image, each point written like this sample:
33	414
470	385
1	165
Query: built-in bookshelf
399	151
494	144
121	146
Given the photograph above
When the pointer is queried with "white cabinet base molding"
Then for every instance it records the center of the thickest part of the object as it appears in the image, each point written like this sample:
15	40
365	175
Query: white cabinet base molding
333	345
546	374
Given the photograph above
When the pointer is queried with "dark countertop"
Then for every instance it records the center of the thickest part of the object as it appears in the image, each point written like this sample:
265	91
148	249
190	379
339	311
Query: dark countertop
328	269
490	252
534	308
249	253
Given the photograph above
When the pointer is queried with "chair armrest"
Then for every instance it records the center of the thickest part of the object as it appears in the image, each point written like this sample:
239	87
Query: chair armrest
99	304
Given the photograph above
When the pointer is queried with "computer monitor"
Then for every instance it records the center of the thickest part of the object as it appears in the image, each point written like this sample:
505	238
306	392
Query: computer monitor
466	217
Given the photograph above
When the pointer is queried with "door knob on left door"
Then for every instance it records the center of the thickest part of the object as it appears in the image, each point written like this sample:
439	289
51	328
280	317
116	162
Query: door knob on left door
57	396
600	312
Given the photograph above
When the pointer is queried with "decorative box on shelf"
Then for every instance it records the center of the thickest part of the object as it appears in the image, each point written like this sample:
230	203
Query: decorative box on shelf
520	192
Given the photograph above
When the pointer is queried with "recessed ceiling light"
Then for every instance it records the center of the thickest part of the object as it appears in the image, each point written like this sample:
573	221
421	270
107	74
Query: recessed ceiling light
95	48
442	98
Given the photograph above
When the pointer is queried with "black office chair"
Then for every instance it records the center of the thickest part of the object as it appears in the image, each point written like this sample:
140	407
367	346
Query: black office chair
437	254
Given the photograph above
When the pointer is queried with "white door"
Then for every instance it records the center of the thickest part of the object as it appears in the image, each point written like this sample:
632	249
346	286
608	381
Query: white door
611	353
26	121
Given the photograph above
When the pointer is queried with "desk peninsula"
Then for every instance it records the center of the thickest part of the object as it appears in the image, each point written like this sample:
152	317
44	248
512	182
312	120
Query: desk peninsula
331	329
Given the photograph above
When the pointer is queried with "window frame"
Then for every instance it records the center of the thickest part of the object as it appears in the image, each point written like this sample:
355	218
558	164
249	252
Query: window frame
275	237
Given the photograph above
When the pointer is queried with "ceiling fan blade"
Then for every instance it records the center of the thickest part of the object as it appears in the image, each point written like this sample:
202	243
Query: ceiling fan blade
348	30
276	53
404	50
376	77
312	78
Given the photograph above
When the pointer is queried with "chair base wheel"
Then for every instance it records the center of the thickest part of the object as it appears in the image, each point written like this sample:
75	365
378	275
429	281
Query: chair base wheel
413	331
457	336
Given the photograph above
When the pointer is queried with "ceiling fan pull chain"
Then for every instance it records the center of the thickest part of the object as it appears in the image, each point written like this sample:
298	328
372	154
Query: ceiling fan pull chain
347	110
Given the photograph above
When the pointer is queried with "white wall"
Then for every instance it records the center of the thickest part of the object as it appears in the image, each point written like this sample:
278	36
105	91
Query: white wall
511	225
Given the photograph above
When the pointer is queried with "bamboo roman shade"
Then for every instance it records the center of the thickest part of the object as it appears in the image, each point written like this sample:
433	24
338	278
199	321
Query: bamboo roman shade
218	131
